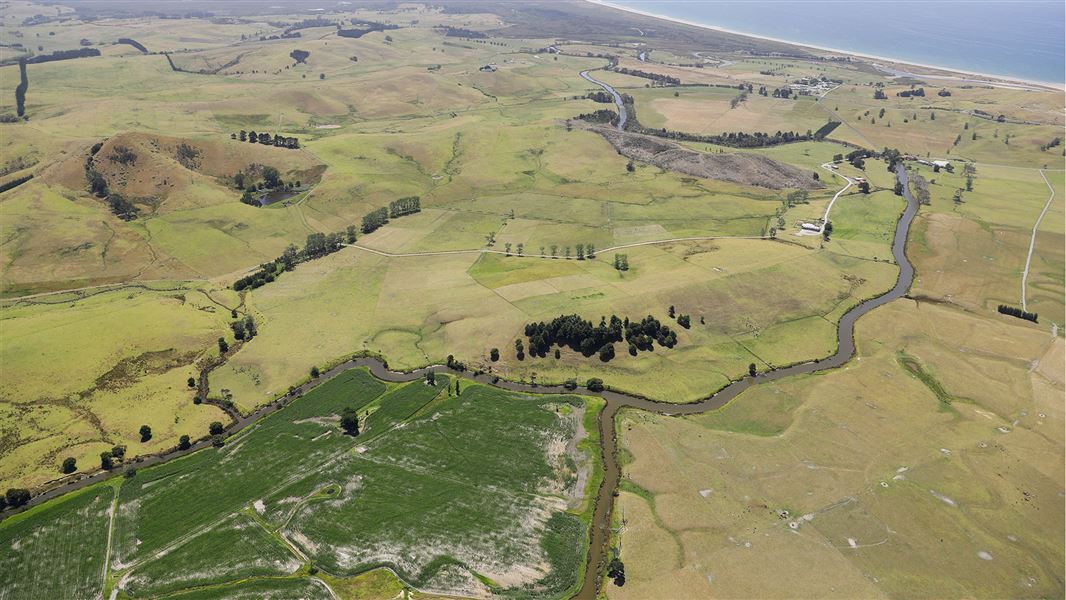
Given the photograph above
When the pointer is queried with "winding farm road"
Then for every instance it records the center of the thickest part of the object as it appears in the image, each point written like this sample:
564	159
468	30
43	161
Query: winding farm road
825	218
1032	240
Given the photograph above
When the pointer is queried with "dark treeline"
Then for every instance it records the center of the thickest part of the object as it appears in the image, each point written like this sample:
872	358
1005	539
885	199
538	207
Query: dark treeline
63	55
14	183
737	139
375	219
364	27
305	24
1014	311
582	336
20	91
656	77
602	115
920	92
460	32
317	245
404	206
134	43
278	141
601	97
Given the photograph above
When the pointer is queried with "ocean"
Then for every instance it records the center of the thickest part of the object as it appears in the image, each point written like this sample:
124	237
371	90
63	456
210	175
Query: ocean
1021	39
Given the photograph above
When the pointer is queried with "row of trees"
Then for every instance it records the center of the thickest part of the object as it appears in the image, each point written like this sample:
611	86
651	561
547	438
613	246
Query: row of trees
1014	311
317	245
659	78
375	219
404	206
278	141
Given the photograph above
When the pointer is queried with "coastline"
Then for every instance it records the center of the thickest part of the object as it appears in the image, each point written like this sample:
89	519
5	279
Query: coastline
952	73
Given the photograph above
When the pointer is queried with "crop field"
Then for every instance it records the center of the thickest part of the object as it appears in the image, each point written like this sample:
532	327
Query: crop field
267	522
57	550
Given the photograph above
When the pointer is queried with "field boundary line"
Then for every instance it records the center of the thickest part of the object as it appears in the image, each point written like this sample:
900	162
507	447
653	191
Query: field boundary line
1032	240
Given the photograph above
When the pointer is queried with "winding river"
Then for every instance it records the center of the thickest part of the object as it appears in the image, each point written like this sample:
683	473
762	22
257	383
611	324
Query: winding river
599	535
617	98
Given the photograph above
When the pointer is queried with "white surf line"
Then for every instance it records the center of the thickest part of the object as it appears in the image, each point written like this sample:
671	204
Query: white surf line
110	532
1032	241
825	217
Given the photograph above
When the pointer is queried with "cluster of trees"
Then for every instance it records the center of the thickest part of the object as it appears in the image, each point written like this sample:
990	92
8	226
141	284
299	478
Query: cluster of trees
123	155
602	115
1051	144
616	570
943	93
460	32
244	328
736	100
14	497
1014	311
796	197
317	245
664	80
582	336
621	262
920	92
879	94
300	56
350	421
266	139
404	206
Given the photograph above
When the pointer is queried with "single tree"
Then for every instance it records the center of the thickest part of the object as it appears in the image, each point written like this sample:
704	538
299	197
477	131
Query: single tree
314	373
17	497
215	428
594	384
350	421
191	382
106	461
223	347
119	452
183	443
69	465
494	354
752	369
146	433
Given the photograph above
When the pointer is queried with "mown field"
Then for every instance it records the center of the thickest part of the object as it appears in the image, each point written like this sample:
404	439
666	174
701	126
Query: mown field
292	497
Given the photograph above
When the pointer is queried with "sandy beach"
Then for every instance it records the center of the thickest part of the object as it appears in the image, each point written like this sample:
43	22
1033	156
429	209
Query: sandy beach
948	72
